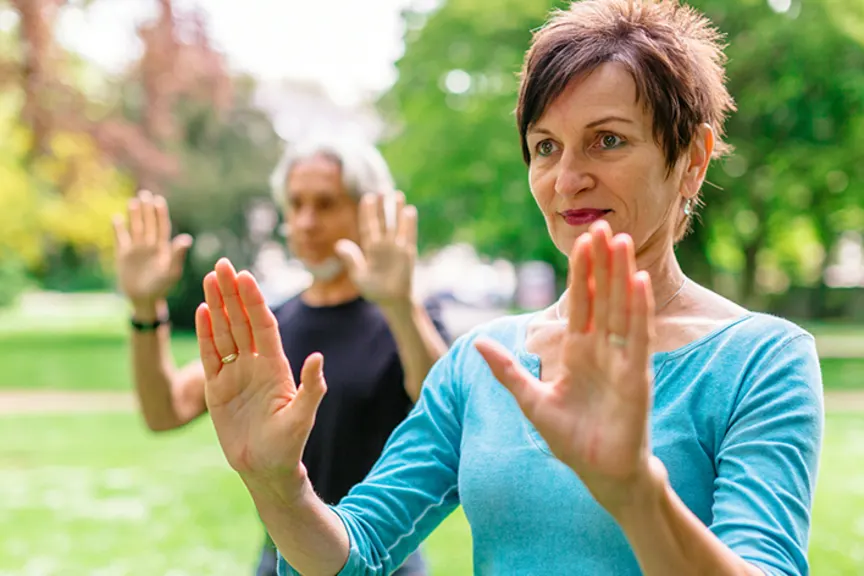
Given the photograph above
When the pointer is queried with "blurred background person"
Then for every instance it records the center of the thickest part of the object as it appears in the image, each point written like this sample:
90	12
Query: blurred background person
360	309
193	100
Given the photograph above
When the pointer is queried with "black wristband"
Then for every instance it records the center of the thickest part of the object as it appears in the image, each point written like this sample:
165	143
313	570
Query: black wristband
139	326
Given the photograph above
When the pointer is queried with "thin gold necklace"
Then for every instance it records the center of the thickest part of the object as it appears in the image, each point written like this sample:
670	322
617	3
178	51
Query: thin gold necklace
666	303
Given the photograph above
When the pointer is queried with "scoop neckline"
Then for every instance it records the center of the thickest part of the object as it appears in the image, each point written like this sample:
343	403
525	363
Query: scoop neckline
657	357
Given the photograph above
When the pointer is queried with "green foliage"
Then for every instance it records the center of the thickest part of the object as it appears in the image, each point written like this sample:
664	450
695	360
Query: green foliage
796	181
457	155
13	279
56	220
70	269
777	206
226	166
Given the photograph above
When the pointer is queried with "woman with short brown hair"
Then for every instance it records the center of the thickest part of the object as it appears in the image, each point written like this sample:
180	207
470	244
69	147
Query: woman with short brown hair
645	424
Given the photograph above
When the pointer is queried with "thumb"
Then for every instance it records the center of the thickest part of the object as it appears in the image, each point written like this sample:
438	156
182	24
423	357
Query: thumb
521	383
352	256
179	247
312	387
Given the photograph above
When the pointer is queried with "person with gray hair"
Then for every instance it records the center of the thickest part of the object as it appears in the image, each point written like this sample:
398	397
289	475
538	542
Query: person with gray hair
363	171
359	309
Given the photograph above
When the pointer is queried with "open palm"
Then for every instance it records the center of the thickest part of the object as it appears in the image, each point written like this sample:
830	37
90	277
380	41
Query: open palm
149	262
383	269
262	418
594	413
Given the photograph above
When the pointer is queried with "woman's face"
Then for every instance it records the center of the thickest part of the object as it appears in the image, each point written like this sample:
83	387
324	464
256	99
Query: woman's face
593	156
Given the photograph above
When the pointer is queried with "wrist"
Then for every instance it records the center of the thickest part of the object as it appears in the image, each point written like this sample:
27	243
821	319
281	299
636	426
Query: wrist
149	310
283	490
643	500
398	308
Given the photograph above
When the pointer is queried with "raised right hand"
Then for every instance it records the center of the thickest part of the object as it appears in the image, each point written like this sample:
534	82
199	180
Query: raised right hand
148	261
262	418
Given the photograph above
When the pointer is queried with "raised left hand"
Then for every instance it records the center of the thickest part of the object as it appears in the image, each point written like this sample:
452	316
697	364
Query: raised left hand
594	413
383	270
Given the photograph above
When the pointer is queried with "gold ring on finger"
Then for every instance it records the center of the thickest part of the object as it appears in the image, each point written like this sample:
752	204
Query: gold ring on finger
229	358
616	340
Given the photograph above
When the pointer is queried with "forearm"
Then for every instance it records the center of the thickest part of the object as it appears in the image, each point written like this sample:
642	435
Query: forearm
306	531
667	538
418	342
154	372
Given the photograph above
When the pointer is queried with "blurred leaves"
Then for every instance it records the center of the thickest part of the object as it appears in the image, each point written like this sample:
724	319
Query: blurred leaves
795	183
456	150
173	123
227	159
36	218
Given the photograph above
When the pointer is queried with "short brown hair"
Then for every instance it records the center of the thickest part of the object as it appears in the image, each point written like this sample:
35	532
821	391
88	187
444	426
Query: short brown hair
673	53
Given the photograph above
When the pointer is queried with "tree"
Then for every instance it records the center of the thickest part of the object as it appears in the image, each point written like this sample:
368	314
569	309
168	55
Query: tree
776	206
52	103
75	147
20	239
456	150
226	162
795	133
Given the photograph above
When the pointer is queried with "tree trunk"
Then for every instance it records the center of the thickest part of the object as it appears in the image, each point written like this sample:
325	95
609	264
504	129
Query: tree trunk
748	294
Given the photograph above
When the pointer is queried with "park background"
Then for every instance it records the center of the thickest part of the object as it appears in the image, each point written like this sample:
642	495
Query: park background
195	99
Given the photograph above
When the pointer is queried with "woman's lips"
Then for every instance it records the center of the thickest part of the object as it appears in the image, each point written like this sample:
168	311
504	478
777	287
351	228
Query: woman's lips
583	216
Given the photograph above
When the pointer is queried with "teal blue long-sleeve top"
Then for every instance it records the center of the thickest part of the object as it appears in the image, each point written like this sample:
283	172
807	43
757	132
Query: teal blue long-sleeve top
737	420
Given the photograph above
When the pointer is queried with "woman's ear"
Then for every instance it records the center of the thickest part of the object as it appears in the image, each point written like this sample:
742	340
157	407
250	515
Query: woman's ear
697	160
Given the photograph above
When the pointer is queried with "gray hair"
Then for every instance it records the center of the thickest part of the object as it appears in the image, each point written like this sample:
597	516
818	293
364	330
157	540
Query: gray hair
364	170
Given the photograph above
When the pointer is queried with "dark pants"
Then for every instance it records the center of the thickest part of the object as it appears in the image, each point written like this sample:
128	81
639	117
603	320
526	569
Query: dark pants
413	565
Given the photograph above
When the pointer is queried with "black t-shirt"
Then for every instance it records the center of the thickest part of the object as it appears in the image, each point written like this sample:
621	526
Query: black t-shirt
366	396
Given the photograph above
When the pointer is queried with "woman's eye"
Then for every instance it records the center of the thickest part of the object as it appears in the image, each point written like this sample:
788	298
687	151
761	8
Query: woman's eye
545	148
610	141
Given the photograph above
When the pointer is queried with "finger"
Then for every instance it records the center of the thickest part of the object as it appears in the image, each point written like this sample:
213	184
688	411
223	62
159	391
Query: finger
163	221
623	267
121	234
363	222
640	335
148	218
353	258
407	235
521	383
210	357
179	247
393	230
241	330
136	227
265	330
600	236
312	388
381	215
580	294
370	218
218	318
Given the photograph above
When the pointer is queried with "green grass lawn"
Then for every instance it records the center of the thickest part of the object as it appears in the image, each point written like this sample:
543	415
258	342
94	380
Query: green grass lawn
837	541
75	360
95	494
